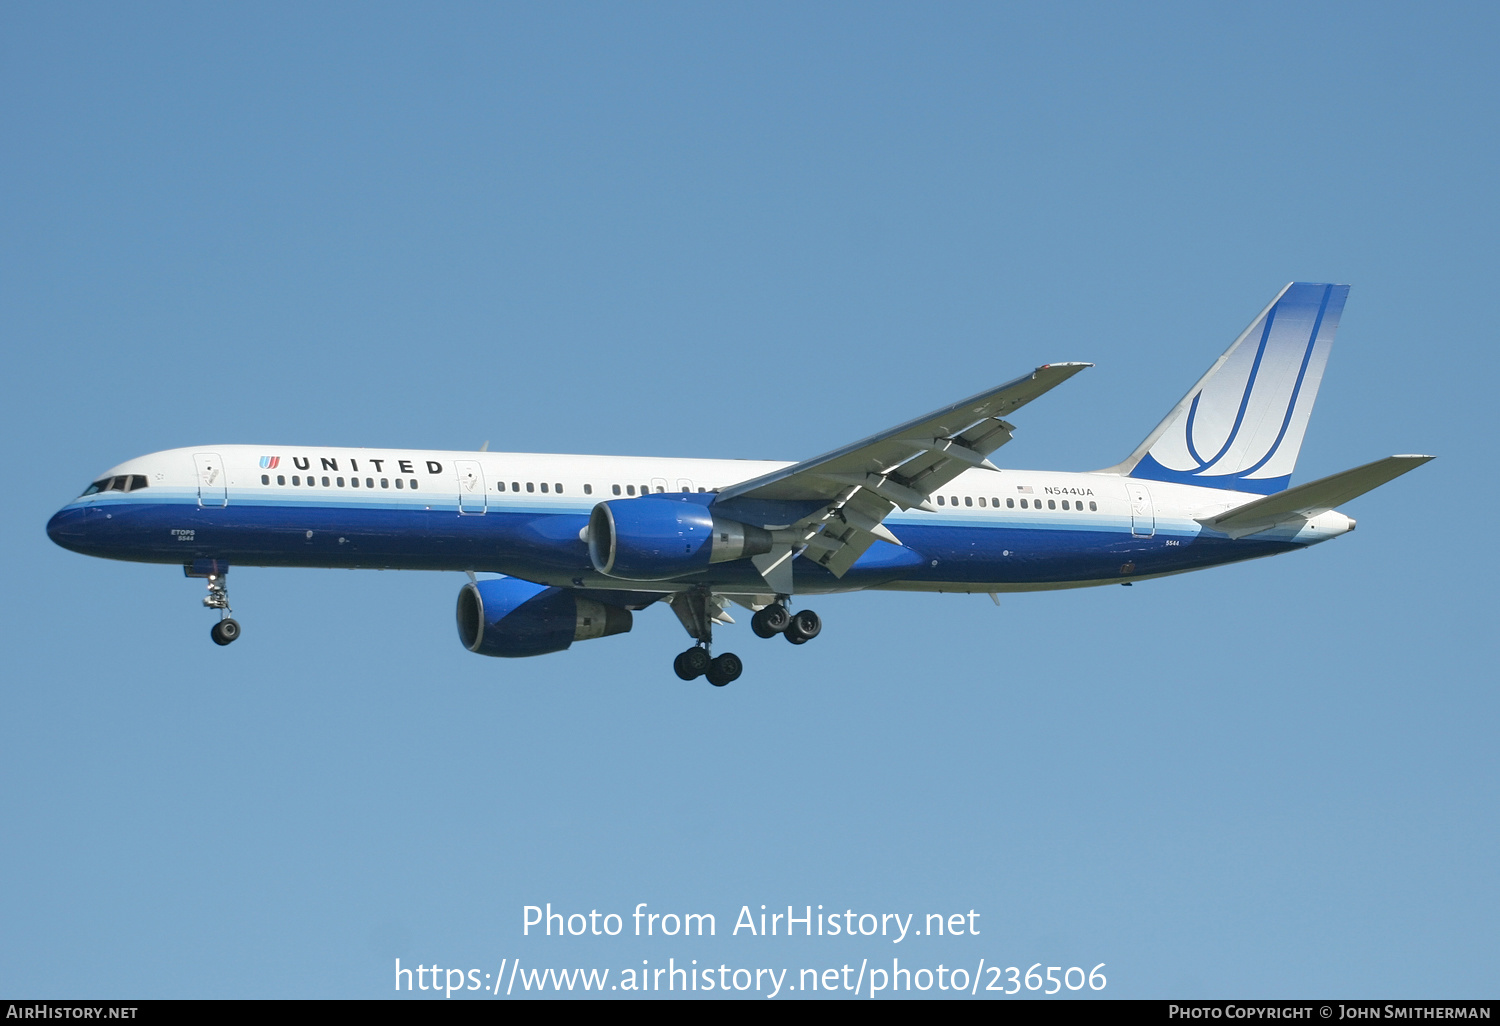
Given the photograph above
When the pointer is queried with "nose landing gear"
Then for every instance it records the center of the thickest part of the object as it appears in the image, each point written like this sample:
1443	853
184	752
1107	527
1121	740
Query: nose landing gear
227	629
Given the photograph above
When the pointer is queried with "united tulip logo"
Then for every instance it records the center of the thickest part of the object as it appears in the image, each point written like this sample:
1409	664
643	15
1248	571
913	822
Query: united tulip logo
269	462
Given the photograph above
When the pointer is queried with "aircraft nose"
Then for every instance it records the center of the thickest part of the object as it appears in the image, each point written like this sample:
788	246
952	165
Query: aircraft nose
66	528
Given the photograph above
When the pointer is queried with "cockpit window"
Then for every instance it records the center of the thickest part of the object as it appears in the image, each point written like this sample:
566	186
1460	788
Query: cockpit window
121	483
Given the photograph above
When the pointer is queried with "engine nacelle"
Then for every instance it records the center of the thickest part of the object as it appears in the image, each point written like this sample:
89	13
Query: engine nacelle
514	618
656	539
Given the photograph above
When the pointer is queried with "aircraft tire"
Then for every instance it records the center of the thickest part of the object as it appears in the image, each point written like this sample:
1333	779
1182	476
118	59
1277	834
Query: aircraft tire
725	669
692	664
770	621
225	631
803	627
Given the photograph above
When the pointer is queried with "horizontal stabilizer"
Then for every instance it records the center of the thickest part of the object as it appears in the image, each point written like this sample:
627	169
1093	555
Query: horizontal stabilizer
1308	500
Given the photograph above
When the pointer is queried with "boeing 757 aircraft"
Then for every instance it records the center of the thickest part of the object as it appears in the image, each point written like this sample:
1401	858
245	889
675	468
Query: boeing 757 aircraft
580	542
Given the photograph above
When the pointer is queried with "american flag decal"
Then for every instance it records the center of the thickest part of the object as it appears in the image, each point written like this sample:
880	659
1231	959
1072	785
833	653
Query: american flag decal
269	462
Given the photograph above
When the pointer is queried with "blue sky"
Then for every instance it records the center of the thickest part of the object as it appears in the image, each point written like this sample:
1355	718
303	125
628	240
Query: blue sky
747	231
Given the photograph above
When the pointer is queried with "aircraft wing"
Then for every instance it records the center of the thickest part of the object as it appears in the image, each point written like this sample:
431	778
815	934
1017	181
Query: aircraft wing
858	485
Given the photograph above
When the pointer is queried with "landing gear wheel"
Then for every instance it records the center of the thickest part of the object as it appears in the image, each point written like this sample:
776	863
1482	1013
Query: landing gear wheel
770	621
724	669
225	631
692	664
803	627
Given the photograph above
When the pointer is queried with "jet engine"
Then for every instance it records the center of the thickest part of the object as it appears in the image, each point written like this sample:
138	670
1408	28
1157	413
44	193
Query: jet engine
512	618
656	539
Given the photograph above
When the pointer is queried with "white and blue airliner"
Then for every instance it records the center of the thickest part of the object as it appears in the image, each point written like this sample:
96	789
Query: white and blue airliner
580	542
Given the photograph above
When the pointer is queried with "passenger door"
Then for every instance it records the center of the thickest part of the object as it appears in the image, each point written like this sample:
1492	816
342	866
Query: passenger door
213	483
473	499
1142	512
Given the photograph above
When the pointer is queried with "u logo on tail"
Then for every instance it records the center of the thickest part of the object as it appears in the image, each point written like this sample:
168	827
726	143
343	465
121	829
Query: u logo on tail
1241	426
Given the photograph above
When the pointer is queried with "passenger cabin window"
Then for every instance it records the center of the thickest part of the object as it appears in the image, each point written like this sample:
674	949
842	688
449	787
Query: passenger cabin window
413	484
340	481
557	488
385	482
281	479
325	482
353	482
968	501
1093	507
544	487
588	489
1065	504
940	501
630	489
398	482
530	486
265	479
515	486
1051	503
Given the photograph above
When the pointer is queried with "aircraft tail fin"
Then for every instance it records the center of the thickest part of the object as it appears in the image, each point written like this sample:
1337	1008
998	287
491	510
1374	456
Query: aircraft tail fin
1241	426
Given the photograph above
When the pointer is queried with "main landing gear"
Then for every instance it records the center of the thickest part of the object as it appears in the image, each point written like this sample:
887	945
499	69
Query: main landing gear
799	628
699	610
696	662
227	629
